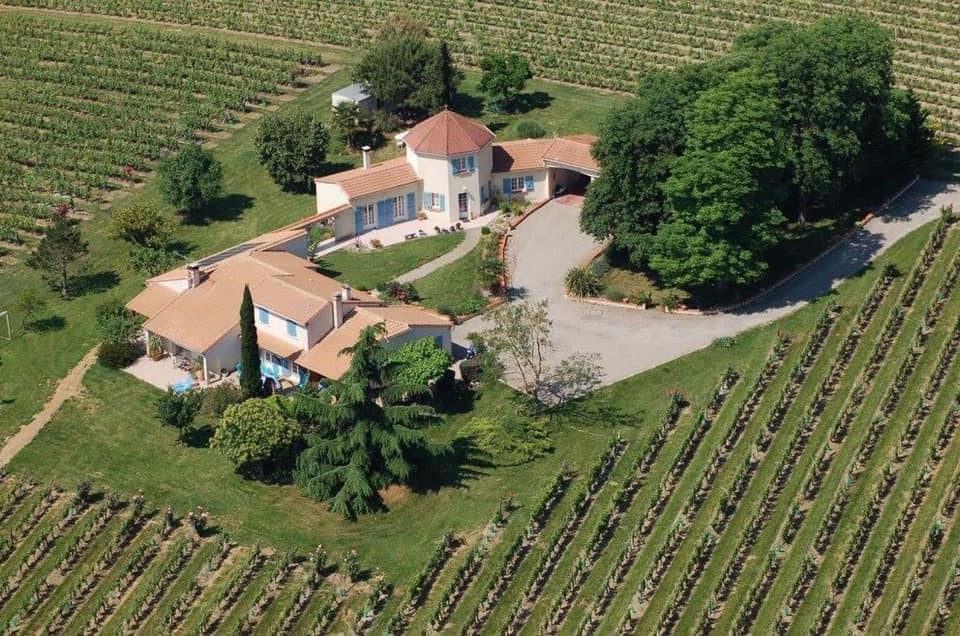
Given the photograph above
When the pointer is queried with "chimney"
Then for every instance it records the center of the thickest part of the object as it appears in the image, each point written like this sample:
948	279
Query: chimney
345	292
337	311
193	275
366	157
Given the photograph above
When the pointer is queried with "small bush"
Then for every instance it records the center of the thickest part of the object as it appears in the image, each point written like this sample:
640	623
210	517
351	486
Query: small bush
117	355
218	398
485	230
724	342
613	294
530	129
600	267
671	301
398	292
642	298
581	282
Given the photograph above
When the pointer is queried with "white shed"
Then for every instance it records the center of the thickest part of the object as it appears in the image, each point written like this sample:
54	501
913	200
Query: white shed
353	94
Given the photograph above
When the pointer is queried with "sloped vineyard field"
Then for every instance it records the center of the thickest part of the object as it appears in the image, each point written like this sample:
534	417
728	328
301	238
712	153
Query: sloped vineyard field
604	43
86	108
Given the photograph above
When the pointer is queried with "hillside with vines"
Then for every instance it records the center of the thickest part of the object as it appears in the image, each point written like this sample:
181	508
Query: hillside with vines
75	128
605	44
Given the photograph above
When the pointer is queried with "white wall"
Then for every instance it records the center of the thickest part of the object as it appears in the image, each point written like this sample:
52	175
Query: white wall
321	324
277	326
329	195
346	222
179	285
438	178
225	354
541	187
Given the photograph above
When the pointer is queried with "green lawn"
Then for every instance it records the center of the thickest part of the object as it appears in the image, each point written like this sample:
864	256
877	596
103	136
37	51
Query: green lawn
454	288
371	267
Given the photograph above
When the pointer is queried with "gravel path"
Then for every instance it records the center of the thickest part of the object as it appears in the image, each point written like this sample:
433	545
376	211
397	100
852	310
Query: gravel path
629	341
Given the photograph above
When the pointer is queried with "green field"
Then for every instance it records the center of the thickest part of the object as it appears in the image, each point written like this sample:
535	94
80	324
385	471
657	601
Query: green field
604	44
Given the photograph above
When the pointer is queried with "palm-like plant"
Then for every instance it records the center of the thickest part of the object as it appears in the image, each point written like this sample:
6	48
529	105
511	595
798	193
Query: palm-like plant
361	437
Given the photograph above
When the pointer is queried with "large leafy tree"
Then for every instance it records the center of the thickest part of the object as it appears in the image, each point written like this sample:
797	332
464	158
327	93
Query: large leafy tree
361	437
292	147
190	179
142	226
504	76
419	362
257	436
638	145
59	250
249	349
724	191
833	82
407	72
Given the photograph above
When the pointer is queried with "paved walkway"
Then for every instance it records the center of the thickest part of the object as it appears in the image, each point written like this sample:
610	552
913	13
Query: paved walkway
469	242
629	341
67	388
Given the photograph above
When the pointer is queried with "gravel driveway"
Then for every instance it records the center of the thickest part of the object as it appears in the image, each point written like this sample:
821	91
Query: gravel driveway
628	341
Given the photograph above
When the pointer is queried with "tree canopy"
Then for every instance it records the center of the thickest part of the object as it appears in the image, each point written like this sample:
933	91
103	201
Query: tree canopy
190	179
257	436
292	147
142	226
703	167
58	251
406	71
504	76
360	435
179	409
419	362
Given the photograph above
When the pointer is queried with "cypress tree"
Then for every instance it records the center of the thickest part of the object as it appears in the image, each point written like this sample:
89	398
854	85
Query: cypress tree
448	75
249	349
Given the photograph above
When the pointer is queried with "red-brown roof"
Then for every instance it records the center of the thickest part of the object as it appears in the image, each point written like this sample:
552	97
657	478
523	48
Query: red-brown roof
523	154
448	133
387	175
528	154
573	151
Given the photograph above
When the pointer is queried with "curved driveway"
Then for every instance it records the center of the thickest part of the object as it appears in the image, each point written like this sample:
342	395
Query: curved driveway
629	341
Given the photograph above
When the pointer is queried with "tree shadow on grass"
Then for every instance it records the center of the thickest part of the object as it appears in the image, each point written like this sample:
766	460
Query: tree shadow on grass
458	463
469	105
94	282
50	323
198	437
588	414
537	100
226	208
324	267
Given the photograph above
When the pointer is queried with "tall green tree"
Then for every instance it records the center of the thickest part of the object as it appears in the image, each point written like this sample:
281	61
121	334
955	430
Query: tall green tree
833	79
361	438
504	77
292	147
249	349
60	249
190	179
638	145
723	193
406	71
142	226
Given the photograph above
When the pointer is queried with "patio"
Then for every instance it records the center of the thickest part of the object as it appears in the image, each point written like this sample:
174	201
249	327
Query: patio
164	374
397	233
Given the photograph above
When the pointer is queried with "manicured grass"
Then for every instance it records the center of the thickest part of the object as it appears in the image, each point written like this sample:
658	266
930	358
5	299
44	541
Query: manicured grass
454	288
372	267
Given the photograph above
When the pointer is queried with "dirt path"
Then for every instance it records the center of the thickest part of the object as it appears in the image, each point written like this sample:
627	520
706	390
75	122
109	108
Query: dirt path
67	388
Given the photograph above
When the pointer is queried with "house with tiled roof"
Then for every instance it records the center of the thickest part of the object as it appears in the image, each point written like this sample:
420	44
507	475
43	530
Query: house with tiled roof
304	319
453	170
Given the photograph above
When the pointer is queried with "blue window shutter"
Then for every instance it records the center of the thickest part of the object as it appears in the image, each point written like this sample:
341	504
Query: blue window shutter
411	205
483	194
506	186
359	221
471	166
529	183
291	328
264	316
382	213
453	167
443	204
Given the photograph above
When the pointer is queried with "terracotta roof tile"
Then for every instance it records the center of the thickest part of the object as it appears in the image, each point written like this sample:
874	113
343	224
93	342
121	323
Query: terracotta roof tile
523	154
448	133
573	151
387	175
151	300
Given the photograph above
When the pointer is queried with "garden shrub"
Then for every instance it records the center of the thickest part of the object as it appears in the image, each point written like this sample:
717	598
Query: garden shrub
530	129
613	294
220	397
600	267
398	292
117	355
419	362
581	282
509	439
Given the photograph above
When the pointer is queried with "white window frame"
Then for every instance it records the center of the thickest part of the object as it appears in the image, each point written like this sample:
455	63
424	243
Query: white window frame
518	184
433	201
400	207
460	165
370	216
